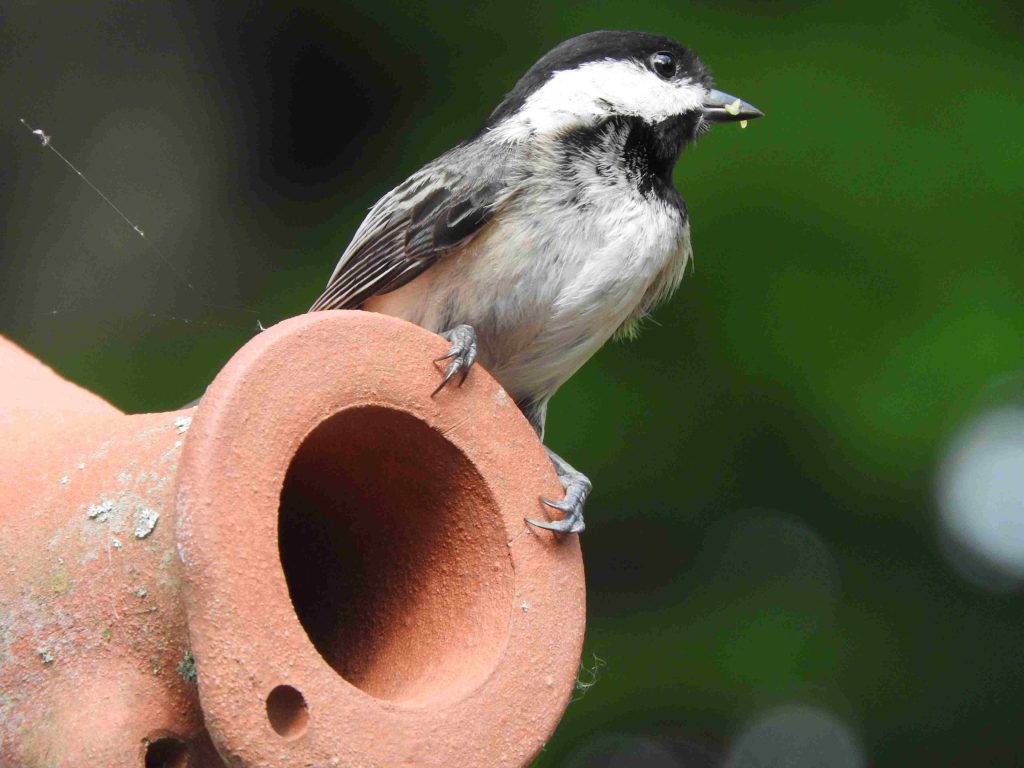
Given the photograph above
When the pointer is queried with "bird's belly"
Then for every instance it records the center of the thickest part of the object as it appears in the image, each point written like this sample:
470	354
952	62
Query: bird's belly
533	356
542	301
554	304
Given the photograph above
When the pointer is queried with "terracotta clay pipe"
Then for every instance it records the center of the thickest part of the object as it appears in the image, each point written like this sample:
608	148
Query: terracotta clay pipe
321	565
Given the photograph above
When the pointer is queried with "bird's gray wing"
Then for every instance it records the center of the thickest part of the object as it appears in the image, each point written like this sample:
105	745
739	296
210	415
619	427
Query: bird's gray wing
435	210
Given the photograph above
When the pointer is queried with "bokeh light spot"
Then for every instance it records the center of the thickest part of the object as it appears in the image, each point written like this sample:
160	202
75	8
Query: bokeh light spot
980	492
796	736
619	750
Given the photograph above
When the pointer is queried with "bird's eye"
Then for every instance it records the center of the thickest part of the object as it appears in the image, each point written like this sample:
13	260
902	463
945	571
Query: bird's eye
664	65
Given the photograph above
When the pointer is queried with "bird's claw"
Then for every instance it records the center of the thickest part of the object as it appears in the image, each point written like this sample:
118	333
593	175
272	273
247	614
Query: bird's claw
462	354
577	487
565	525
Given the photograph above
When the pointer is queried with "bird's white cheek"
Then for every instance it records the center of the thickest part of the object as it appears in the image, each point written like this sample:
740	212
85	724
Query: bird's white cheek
685	97
654	100
578	97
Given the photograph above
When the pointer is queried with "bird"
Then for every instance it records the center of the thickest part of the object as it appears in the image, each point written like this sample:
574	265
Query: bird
553	228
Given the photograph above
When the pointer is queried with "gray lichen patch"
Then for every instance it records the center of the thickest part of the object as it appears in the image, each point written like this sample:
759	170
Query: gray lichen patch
100	512
120	517
46	655
182	424
187	668
145	521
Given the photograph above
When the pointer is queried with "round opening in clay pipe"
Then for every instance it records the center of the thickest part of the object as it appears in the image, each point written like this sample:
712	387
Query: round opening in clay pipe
166	752
396	557
287	712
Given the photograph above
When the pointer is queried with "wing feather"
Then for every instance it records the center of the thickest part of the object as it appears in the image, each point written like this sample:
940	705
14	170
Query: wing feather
436	210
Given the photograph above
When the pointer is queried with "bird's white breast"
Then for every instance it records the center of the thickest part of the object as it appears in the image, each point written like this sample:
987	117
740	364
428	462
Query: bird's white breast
595	268
553	276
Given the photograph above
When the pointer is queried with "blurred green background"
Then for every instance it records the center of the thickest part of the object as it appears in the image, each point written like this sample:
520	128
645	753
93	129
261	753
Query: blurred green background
769	578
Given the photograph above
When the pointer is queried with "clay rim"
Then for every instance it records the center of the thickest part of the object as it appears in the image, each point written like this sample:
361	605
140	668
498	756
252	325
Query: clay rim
233	471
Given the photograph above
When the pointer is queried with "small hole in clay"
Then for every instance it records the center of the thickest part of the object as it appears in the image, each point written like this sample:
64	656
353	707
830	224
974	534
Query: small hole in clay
287	712
167	752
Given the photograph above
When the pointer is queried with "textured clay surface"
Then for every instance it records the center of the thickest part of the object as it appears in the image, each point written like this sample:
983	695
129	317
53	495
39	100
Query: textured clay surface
333	562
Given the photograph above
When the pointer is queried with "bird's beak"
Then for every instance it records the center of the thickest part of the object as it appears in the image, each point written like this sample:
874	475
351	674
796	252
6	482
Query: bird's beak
720	107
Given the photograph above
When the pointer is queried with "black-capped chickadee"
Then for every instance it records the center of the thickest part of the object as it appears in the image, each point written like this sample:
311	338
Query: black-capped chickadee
553	228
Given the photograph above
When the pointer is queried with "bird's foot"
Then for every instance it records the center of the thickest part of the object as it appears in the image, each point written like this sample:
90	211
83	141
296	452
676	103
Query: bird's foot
462	354
577	487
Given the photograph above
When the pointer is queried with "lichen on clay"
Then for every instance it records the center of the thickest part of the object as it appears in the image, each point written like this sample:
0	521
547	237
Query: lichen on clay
145	522
183	424
187	668
100	512
60	581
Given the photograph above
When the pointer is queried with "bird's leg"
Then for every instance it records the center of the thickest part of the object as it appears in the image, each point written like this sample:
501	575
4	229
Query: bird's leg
577	487
462	354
